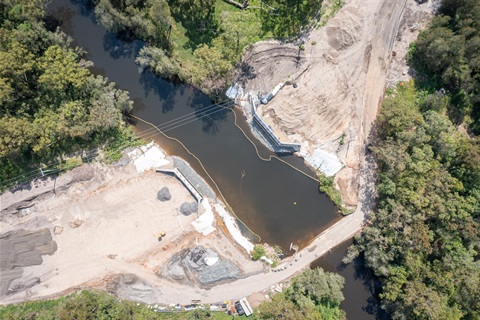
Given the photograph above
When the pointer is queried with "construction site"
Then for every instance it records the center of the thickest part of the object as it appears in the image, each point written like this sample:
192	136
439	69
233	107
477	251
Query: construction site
323	91
149	229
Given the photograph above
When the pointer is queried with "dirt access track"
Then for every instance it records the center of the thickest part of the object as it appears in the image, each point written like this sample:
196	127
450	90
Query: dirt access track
101	222
339	74
109	218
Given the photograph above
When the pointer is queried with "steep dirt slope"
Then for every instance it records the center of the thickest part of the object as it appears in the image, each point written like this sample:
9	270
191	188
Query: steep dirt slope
339	75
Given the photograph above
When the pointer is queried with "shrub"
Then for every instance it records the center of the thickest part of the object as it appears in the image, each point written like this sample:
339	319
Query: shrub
258	252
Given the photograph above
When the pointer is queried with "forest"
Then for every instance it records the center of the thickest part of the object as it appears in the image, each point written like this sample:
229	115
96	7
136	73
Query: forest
200	41
446	57
51	106
423	239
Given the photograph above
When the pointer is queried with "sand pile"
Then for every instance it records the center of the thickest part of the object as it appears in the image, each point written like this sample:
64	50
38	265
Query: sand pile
342	33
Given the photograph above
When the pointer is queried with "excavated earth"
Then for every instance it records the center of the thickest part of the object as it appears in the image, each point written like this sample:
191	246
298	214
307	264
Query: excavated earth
334	79
96	226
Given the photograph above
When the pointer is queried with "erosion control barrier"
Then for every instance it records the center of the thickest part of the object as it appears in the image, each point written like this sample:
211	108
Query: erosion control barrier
278	145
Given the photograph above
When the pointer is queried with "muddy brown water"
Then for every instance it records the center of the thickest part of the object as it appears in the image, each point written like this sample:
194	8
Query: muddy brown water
275	201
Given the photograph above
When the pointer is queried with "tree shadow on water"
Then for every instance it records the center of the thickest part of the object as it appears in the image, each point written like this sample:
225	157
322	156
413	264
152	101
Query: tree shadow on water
120	48
87	8
59	17
211	115
372	283
165	90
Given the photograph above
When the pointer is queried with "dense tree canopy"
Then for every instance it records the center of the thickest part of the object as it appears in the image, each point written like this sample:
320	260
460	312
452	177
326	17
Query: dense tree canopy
423	240
314	294
50	103
448	53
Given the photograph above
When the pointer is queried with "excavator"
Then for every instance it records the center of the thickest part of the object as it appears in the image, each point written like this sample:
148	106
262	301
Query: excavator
161	235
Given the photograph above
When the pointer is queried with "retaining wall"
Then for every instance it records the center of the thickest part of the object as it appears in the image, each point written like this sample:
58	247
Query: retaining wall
278	146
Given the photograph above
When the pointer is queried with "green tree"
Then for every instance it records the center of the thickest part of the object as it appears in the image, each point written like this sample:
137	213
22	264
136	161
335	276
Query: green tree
61	70
314	294
50	104
258	252
423	238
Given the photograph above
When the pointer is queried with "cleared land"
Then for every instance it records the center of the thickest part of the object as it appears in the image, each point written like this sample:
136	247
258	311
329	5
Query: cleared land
98	227
103	221
108	241
339	72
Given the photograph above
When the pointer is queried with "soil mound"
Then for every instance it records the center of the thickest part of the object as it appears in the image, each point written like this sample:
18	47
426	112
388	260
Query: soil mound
200	266
164	194
187	208
130	287
343	32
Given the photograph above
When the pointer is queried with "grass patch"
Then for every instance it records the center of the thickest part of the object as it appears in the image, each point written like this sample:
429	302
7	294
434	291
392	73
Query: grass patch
124	138
329	10
202	40
21	171
327	186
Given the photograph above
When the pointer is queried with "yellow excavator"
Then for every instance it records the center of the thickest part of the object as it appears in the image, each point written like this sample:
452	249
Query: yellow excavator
161	235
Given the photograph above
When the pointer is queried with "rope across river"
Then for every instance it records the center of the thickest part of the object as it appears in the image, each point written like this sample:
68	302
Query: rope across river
270	157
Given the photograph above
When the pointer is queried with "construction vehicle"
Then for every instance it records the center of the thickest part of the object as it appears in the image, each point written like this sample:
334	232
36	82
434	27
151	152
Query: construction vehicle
161	235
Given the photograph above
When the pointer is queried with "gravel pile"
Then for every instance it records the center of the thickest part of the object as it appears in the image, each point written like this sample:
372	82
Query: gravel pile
188	208
190	266
199	184
20	249
164	194
130	287
221	271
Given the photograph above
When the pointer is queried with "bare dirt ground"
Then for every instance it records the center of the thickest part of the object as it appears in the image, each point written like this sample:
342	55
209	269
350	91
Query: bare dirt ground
104	225
339	75
108	241
102	221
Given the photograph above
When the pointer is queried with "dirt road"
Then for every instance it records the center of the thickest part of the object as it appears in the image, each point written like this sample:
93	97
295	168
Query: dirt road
105	234
339	76
171	292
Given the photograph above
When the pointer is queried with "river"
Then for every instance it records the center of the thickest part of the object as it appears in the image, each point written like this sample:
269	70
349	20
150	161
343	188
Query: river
361	288
276	202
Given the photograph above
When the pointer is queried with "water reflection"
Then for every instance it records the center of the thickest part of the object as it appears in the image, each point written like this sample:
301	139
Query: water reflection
121	49
275	201
361	287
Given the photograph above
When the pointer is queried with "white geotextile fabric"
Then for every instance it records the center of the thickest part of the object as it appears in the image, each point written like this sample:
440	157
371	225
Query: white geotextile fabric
326	162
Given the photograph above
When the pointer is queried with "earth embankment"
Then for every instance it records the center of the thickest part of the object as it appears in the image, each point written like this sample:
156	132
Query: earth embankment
334	80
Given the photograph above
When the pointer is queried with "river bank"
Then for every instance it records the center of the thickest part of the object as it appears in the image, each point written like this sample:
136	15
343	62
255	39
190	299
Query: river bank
102	221
324	93
101	235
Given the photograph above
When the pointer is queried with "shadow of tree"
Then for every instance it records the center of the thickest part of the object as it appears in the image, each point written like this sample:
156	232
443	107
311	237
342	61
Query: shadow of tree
198	18
211	115
284	18
121	48
59	17
87	8
165	90
372	283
